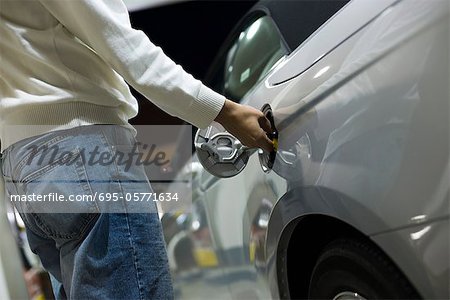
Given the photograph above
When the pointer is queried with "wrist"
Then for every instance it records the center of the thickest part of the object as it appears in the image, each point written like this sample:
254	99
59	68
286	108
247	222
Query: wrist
226	112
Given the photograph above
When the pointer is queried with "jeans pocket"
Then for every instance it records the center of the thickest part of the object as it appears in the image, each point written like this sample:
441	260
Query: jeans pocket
56	196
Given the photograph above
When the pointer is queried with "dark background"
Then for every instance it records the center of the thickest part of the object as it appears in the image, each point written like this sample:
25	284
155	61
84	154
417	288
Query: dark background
190	33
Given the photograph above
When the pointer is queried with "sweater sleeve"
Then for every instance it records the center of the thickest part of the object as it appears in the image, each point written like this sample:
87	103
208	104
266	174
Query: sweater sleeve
104	26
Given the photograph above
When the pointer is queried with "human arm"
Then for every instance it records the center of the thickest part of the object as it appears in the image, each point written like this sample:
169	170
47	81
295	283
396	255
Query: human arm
104	27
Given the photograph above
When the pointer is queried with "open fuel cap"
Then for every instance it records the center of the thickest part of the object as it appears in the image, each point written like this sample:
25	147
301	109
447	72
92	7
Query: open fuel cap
220	153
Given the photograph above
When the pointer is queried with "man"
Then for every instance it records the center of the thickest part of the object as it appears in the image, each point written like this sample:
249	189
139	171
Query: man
64	64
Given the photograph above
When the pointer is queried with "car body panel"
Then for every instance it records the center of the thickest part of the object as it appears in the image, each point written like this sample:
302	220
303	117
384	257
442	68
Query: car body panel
422	253
358	101
368	128
330	35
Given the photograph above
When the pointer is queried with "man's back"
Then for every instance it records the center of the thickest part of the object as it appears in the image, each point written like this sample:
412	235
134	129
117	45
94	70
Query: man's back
48	76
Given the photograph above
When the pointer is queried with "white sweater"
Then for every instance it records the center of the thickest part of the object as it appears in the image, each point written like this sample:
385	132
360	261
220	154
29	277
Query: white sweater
64	63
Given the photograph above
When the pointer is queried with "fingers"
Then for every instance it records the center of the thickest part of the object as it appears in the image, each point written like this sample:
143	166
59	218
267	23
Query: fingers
265	124
259	140
247	124
268	145
265	143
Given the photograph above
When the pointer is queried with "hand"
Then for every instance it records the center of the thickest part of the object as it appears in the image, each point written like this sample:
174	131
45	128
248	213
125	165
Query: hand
247	124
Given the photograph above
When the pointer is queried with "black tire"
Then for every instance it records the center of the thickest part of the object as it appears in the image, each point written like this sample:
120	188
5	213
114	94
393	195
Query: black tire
348	265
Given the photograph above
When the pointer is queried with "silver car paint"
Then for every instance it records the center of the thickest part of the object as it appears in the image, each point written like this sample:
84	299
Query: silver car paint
422	251
372	144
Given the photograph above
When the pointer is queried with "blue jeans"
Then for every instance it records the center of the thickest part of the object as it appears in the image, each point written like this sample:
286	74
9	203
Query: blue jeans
92	249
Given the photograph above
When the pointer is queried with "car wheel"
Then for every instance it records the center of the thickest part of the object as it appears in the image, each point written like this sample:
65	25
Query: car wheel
350	269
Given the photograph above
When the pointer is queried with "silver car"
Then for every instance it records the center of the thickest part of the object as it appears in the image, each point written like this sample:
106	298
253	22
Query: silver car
354	204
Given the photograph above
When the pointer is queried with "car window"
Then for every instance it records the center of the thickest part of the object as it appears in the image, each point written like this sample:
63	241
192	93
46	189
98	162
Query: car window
248	58
297	20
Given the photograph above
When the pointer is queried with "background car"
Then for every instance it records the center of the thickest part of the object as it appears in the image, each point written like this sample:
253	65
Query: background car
355	203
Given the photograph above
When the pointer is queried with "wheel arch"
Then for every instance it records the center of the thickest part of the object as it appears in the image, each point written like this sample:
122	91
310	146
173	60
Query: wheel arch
301	243
301	225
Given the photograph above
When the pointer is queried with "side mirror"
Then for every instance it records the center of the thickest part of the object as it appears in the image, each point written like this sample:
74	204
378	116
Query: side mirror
220	153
